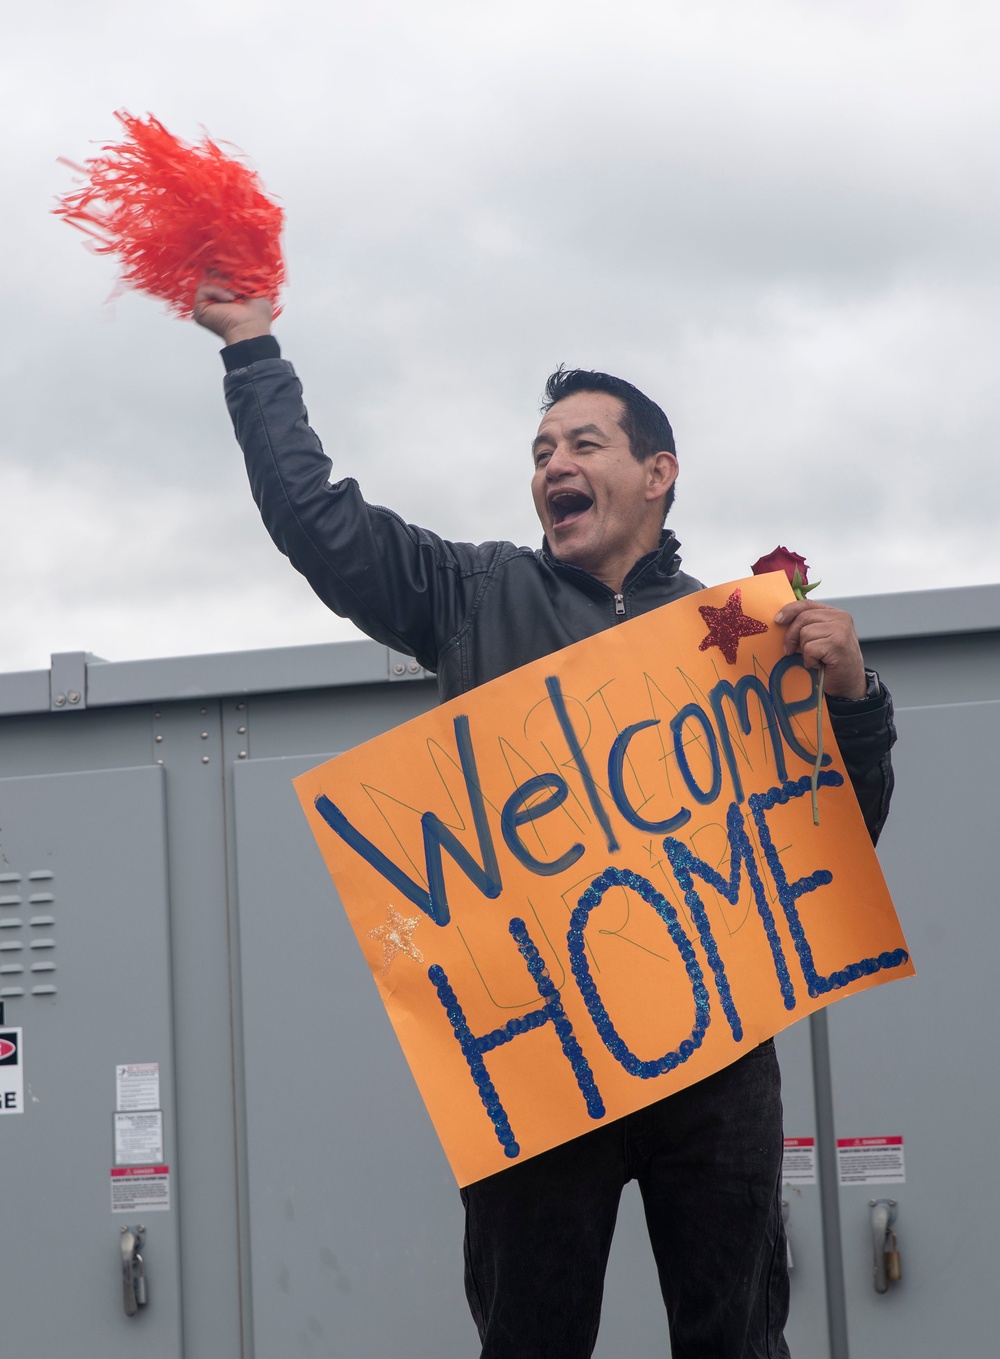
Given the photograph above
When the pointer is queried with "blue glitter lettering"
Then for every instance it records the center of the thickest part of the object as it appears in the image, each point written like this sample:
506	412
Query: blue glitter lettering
789	893
612	1040
685	865
551	1012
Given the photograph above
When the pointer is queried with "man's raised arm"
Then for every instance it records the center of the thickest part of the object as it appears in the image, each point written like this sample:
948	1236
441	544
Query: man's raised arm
402	585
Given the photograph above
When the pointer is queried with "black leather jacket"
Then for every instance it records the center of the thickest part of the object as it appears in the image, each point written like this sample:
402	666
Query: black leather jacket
469	612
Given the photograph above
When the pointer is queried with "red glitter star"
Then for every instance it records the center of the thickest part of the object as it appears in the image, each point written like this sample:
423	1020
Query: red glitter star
727	625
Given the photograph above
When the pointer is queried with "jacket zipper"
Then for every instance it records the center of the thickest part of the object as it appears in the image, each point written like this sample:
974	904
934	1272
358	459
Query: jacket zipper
620	605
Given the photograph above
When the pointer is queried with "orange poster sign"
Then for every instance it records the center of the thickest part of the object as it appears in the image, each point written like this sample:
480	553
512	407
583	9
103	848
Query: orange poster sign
597	880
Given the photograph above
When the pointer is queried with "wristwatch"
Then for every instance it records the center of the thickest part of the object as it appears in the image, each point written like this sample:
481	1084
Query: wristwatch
873	689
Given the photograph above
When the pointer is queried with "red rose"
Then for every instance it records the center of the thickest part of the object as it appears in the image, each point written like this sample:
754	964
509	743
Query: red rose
797	571
783	560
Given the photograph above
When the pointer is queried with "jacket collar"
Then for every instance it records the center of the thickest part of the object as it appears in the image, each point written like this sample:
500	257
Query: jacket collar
664	561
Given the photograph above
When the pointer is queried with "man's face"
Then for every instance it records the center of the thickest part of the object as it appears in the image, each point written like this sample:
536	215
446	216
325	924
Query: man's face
600	508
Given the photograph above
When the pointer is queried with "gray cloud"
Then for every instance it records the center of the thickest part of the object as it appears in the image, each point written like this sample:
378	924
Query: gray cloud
779	220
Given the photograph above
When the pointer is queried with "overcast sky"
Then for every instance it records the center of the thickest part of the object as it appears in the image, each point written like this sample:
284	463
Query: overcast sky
780	219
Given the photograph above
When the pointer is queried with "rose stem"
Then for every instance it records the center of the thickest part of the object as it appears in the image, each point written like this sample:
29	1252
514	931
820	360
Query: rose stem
814	781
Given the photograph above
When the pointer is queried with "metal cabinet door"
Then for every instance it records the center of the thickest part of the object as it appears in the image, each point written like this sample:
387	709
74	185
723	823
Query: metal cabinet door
85	976
918	1060
355	1218
807	1329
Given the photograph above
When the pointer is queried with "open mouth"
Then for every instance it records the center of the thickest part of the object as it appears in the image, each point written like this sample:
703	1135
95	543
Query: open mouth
568	506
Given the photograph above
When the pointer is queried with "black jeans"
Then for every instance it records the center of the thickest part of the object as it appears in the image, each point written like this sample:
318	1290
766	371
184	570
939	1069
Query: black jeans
708	1164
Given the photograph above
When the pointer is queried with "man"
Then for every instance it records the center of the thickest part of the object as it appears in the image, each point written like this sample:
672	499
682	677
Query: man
708	1158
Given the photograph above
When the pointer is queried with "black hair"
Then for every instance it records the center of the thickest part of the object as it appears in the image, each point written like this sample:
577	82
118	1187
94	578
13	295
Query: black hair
642	421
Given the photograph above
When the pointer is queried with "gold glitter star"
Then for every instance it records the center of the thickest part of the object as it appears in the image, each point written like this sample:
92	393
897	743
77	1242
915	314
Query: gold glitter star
396	936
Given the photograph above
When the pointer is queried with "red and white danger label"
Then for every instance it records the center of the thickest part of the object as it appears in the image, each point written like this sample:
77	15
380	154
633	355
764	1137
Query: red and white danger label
798	1165
871	1160
140	1187
11	1072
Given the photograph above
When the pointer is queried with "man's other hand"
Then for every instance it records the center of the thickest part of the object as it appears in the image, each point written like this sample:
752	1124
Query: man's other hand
229	316
825	636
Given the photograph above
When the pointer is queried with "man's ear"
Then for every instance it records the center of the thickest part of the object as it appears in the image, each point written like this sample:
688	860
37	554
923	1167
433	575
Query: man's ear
661	473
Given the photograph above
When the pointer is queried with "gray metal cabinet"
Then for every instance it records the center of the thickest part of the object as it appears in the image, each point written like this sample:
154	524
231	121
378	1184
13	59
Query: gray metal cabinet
189	921
919	1060
85	977
806	1332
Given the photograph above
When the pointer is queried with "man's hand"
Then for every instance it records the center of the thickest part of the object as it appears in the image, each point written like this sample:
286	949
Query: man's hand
229	316
825	636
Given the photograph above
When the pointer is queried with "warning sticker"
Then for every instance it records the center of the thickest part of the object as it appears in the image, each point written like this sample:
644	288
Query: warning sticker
137	1085
870	1160
798	1165
135	1188
11	1072
138	1138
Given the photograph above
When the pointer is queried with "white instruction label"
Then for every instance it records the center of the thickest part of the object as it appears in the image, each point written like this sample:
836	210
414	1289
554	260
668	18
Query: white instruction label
798	1165
137	1085
871	1160
140	1188
139	1138
11	1072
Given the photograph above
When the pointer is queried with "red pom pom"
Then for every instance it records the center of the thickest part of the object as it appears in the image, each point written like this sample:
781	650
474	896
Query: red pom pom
173	213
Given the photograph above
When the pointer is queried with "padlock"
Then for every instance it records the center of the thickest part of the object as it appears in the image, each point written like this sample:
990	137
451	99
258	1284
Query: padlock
893	1265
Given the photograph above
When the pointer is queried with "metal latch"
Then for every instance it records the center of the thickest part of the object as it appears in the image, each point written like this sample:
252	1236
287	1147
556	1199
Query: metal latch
788	1244
133	1269
886	1264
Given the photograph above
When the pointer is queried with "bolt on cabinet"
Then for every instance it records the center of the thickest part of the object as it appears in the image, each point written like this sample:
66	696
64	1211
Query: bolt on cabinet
213	1145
